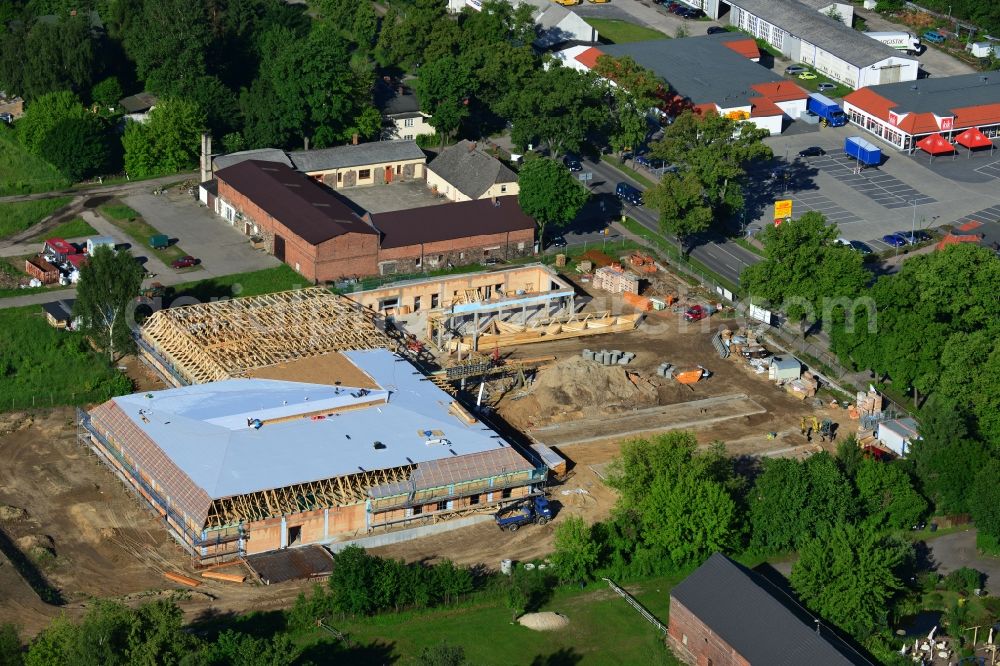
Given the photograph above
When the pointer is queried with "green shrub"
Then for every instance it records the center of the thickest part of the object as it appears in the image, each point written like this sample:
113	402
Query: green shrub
963	580
928	580
987	544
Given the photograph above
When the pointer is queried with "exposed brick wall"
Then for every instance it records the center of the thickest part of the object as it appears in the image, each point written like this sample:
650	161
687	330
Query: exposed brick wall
458	252
694	642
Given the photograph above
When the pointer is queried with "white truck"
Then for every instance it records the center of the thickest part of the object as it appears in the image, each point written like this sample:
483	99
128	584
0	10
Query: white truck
901	41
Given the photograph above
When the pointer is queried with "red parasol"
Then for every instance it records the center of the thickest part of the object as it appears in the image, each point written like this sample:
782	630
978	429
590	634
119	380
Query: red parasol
935	144
973	138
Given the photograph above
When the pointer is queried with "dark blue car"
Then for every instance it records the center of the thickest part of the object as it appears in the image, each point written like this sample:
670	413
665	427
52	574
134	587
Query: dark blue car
894	240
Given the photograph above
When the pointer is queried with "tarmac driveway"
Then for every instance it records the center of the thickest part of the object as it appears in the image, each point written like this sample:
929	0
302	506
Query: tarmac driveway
957	550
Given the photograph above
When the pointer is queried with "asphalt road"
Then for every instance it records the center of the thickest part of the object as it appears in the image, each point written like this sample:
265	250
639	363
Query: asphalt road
718	253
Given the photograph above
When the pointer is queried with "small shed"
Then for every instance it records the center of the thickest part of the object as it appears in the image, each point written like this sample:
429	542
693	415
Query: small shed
59	314
100	241
897	434
39	268
57	249
784	368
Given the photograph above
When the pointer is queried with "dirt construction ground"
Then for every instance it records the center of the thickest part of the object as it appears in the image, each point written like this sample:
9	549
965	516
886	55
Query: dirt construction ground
90	537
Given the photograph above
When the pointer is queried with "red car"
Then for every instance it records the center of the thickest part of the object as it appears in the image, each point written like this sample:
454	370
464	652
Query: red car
185	262
696	313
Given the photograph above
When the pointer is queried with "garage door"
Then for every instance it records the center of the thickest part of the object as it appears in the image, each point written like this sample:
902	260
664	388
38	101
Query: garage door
890	74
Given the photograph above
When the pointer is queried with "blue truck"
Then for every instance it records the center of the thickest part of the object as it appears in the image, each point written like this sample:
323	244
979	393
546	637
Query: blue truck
865	152
534	510
829	111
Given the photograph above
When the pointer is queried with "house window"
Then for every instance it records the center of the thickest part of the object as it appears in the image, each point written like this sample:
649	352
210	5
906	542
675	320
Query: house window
399	169
417	510
505	494
684	639
408	122
442	506
340	177
416	303
474	500
520	246
364	174
503	188
417	262
434	300
408	137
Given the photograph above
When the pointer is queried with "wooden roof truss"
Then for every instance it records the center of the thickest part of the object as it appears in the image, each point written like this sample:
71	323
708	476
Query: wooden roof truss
224	339
338	491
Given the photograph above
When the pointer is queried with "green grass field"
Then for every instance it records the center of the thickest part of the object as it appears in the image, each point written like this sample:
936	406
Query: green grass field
266	281
135	226
603	629
41	366
75	228
23	173
623	32
16	217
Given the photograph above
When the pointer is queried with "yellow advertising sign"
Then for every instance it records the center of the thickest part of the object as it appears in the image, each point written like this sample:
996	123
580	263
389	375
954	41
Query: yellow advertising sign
782	209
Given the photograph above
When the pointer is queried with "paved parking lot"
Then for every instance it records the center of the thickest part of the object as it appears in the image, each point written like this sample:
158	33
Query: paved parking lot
813	200
991	214
882	188
992	169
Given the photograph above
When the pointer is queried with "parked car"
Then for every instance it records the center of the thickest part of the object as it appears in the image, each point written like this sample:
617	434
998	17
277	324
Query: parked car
933	36
679	9
812	151
558	241
535	510
628	193
795	69
807	76
716	29
691	13
572	162
755	352
861	247
184	262
914	237
826	86
894	240
696	313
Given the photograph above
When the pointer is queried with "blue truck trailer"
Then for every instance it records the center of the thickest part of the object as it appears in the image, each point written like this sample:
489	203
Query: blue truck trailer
828	110
863	151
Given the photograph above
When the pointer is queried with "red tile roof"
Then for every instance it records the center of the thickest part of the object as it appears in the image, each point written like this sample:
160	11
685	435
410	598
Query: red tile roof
745	47
61	246
921	123
780	91
589	57
761	107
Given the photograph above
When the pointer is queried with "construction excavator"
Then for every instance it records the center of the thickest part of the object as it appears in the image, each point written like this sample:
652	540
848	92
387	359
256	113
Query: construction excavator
810	425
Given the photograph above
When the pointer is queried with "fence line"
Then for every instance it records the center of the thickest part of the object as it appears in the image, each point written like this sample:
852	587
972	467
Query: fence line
634	603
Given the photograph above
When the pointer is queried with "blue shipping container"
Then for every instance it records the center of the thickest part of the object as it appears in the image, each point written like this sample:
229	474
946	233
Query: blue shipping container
863	151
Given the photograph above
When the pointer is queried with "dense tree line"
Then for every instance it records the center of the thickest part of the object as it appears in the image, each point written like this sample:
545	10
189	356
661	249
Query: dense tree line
983	14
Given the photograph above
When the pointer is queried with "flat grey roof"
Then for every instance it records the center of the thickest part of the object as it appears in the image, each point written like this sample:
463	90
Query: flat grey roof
700	68
265	154
363	154
203	429
942	96
820	30
749	614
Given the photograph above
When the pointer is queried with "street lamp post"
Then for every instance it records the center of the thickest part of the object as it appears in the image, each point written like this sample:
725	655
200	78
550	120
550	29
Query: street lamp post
913	222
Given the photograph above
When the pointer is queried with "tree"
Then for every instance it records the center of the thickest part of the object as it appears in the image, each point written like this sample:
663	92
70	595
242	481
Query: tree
445	87
11	653
680	200
539	110
717	149
631	94
549	193
49	56
168	40
831	498
887	495
105	297
77	147
107	93
353	581
850	575
778	506
235	649
576	551
804	273
985	500
971	372
946	457
167	143
44	114
443	654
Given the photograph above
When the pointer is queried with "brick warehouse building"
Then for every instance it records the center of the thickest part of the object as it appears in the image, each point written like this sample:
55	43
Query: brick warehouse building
723	614
319	235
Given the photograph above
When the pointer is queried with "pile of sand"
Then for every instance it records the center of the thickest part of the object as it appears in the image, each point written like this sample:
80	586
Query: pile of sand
14	421
8	512
575	387
547	621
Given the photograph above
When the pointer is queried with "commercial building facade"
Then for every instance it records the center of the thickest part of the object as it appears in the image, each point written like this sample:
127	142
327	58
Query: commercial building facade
901	114
805	35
